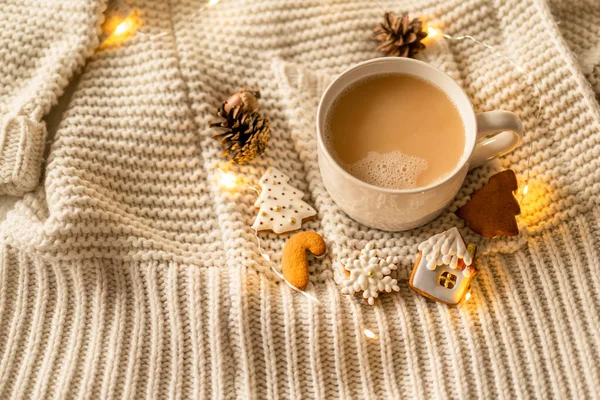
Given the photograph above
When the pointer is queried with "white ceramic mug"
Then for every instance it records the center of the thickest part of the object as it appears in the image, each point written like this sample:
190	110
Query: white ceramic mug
488	135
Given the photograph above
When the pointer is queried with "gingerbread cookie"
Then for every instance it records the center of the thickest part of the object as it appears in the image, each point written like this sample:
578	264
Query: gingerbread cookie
492	209
370	274
444	268
294	264
280	205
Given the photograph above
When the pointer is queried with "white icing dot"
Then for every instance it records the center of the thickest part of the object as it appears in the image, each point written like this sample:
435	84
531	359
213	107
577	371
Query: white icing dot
370	274
274	213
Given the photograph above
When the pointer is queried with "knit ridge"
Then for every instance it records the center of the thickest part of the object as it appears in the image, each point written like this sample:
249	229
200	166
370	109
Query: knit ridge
36	68
128	272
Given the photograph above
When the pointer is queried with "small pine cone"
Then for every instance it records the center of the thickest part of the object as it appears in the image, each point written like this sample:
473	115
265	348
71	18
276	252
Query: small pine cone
400	37
246	133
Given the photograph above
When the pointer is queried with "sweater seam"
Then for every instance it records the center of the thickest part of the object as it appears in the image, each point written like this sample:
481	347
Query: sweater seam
178	60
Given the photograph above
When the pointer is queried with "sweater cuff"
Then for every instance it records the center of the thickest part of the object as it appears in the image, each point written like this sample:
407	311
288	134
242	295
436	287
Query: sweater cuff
22	142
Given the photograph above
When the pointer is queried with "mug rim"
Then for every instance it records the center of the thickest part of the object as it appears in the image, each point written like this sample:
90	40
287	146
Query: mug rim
469	148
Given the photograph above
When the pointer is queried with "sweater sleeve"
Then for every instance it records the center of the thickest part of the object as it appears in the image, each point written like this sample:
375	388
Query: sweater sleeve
42	44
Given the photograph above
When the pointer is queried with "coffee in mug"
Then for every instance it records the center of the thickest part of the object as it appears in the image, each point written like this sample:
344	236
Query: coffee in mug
395	131
388	114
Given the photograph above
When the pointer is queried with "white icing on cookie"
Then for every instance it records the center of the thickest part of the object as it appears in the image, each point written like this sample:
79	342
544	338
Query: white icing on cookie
446	248
280	205
370	274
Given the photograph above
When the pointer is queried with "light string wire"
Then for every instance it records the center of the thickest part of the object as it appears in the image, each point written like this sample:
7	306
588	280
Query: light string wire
530	79
191	18
229	181
272	264
432	34
126	26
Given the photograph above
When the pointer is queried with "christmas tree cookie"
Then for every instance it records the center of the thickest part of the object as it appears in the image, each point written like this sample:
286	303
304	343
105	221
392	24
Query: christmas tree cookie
280	206
492	209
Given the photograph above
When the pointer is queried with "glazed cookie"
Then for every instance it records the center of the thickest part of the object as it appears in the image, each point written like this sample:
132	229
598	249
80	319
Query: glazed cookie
370	274
444	268
492	209
294	264
280	206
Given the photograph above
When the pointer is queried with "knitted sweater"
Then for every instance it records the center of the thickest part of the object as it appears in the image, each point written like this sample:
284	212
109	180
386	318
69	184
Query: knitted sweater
126	272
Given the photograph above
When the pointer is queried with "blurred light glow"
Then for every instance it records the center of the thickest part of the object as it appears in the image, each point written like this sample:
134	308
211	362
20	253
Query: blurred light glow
370	334
123	27
126	29
228	180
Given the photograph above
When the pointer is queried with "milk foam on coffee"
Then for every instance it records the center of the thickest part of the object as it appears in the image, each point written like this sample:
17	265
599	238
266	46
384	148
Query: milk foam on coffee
395	131
393	170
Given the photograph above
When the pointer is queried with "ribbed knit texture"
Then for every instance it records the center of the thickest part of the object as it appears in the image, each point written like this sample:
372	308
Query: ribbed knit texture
129	273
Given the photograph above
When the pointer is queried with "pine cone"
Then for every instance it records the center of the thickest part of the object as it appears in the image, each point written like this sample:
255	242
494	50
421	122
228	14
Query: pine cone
398	37
246	135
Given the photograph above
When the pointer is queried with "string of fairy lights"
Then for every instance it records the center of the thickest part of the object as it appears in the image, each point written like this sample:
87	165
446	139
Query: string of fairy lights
433	33
227	177
229	181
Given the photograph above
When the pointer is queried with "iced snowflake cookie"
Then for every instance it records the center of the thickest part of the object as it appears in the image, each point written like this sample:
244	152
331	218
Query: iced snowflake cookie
370	274
294	264
280	206
444	268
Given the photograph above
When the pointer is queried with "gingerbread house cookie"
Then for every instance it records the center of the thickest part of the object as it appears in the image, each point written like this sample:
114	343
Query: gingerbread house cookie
444	268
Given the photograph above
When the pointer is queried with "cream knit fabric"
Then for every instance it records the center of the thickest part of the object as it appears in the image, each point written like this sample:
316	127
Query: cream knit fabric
129	273
579	22
43	43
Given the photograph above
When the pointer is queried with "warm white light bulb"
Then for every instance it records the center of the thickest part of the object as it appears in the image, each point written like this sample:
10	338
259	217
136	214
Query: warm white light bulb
212	3
431	32
228	180
468	296
370	334
123	27
525	189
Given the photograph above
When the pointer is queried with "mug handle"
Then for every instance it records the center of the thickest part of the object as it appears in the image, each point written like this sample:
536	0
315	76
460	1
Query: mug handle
498	133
